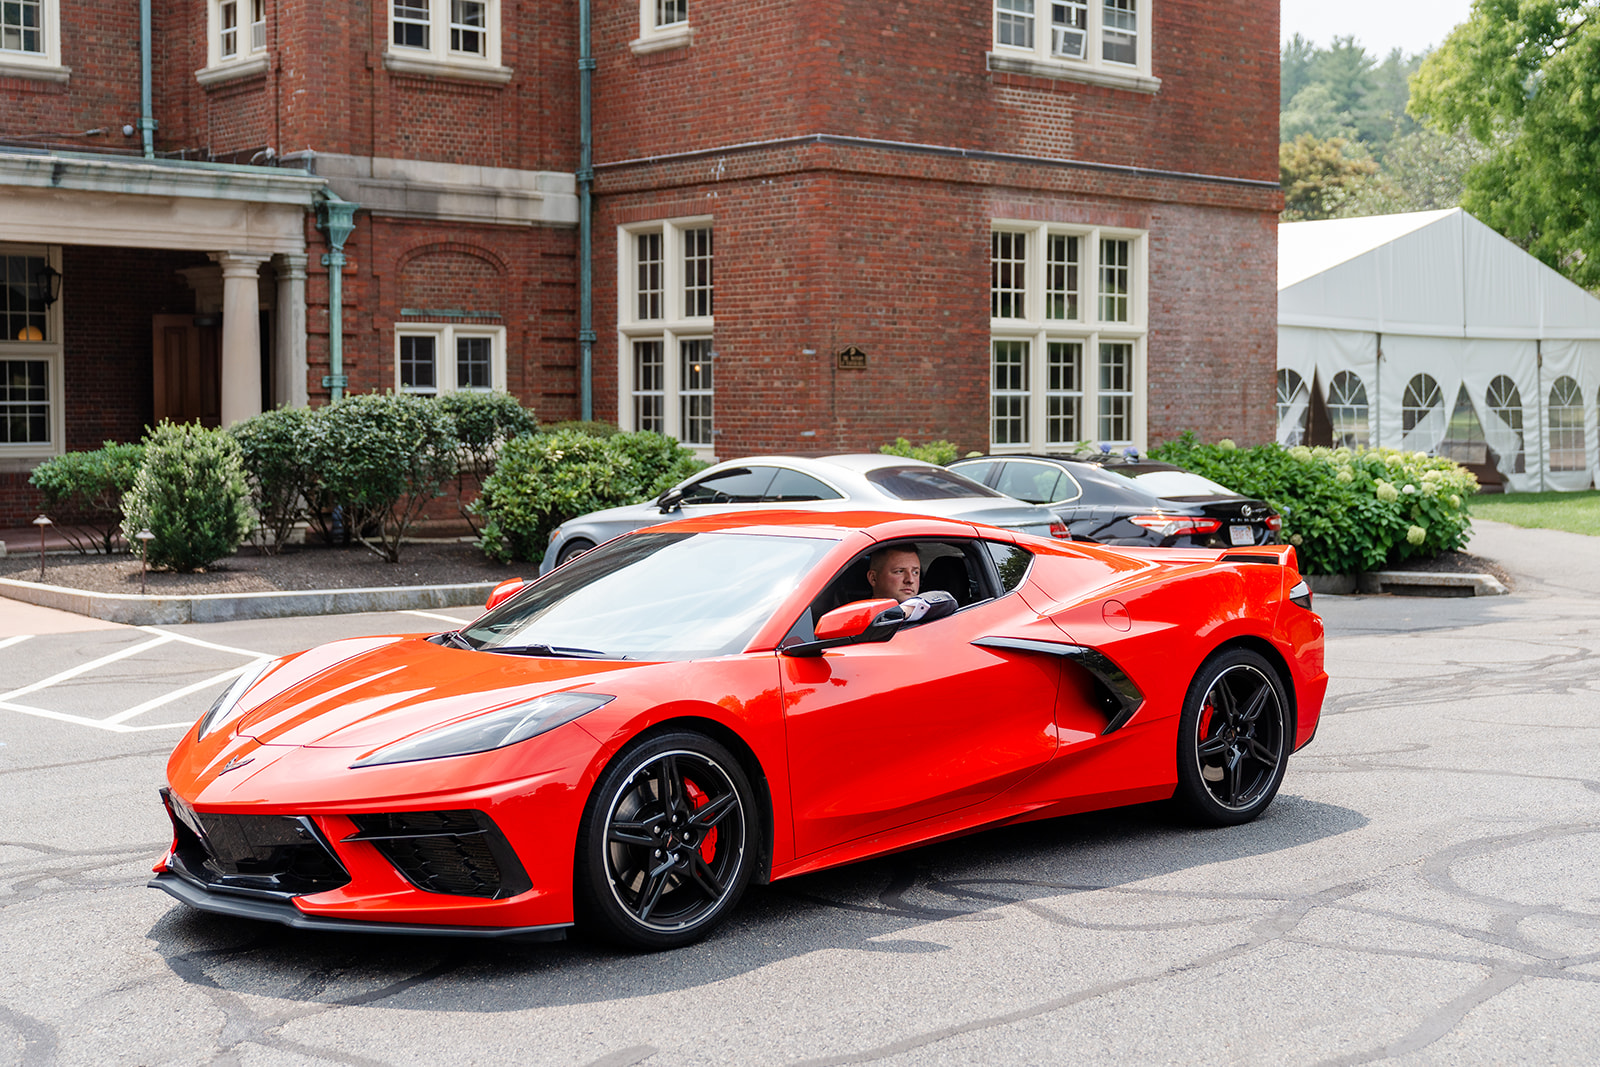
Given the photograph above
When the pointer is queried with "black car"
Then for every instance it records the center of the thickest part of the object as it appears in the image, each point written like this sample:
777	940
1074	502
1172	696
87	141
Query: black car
1116	500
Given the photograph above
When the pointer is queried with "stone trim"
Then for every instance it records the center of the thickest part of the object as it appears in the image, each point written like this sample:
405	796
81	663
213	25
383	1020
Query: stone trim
434	68
1034	68
663	40
238	70
38	72
456	192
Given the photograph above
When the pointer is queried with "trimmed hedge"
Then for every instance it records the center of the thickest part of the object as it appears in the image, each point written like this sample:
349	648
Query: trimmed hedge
276	449
940	452
542	481
484	423
190	493
89	487
1344	510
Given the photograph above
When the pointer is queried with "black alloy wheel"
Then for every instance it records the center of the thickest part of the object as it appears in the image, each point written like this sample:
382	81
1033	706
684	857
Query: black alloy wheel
572	550
667	845
1234	740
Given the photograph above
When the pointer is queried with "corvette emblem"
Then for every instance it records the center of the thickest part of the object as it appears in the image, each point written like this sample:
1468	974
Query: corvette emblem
234	764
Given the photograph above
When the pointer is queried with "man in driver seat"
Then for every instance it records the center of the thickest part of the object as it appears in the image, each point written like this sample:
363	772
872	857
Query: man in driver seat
895	572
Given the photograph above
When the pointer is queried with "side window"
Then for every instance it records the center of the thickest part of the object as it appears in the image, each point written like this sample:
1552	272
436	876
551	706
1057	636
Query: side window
978	470
792	486
1037	483
738	485
1011	561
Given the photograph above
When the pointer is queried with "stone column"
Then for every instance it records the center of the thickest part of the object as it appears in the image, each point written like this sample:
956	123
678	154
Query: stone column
241	335
289	354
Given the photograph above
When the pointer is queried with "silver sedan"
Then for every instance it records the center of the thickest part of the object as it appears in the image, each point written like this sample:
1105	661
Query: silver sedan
869	482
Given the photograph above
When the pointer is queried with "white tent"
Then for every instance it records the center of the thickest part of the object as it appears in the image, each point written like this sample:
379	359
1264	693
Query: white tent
1430	332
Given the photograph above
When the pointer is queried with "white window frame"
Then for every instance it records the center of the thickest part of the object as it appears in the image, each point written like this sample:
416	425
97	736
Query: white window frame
1087	329
445	335
49	350
1040	59
45	63
673	329
438	58
249	56
656	35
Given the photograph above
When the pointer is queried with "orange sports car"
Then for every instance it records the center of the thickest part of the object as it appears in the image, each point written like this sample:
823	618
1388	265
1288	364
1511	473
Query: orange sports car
626	743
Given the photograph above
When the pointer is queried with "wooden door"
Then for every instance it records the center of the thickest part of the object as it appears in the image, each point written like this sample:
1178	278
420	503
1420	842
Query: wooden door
188	370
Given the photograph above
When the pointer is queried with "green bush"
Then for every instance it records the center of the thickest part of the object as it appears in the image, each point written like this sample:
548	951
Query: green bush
591	427
940	452
380	457
1344	510
484	422
276	450
542	481
190	493
88	487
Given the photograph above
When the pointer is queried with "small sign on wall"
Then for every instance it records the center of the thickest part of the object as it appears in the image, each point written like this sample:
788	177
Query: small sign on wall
852	358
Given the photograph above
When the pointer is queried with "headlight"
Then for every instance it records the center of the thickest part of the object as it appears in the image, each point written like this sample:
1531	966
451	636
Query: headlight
226	707
484	733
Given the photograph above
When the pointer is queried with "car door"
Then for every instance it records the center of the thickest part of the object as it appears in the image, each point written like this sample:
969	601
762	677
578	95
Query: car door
888	734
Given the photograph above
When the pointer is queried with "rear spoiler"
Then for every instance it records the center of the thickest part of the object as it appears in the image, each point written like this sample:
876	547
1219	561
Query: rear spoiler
1272	555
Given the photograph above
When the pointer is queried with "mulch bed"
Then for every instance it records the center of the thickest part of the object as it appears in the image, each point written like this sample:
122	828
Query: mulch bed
297	567
1456	563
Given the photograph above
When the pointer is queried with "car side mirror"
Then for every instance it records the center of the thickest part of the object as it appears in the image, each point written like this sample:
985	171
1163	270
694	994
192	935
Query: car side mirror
669	501
503	592
863	622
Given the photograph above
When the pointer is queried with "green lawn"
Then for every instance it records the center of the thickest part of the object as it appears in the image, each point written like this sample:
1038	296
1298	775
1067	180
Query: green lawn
1573	512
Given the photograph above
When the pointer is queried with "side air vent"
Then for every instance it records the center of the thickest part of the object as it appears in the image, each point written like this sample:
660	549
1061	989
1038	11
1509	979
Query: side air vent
461	853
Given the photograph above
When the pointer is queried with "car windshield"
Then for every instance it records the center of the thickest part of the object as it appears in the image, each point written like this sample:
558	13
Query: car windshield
925	483
1181	483
654	596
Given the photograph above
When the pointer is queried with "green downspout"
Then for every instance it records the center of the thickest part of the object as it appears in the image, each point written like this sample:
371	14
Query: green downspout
585	177
336	218
147	119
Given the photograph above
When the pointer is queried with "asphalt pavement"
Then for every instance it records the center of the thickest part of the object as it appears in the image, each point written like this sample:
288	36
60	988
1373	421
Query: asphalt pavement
1423	890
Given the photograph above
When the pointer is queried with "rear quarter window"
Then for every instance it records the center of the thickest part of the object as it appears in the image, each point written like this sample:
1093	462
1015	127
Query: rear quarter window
925	483
1012	563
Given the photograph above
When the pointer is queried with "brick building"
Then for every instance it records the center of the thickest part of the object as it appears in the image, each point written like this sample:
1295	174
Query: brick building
1015	224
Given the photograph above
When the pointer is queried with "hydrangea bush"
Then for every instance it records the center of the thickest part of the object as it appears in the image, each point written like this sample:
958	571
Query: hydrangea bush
1345	510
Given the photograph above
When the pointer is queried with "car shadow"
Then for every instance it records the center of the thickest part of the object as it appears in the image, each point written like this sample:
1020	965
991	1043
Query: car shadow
885	905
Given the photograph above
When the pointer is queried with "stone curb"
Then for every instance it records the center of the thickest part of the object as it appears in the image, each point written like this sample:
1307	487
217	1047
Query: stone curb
136	610
1425	583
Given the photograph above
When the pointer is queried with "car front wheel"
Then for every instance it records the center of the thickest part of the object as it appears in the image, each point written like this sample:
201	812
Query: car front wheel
1233	740
667	845
572	550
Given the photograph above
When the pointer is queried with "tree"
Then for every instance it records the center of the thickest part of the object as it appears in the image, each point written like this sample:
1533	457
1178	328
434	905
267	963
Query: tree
1320	178
1294	69
1522	77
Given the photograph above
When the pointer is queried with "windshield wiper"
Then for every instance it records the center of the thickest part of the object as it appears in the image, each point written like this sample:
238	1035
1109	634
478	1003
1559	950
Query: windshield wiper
454	638
552	650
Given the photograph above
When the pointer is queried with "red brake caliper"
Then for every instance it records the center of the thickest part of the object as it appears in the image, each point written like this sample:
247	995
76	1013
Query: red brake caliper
698	798
1205	720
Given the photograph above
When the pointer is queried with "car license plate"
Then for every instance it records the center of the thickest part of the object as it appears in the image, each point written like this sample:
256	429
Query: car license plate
1241	535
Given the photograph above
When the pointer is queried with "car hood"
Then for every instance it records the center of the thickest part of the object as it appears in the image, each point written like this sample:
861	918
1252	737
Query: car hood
371	692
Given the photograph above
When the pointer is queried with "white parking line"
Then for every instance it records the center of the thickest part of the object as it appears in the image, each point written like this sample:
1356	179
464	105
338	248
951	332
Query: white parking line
73	672
186	639
434	615
9	641
79	720
176	694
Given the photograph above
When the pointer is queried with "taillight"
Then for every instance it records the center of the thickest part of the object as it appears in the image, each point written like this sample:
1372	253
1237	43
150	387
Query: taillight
1274	523
1059	529
1301	594
1176	525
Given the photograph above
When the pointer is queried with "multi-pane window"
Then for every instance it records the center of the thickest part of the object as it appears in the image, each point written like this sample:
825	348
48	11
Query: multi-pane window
446	30
238	30
1089	34
30	354
1504	401
1347	410
433	359
671	12
1566	426
22	26
1294	406
666	291
662	24
1065	357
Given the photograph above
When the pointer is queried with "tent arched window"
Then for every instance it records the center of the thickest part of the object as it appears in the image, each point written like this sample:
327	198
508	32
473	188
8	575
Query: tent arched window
1294	402
1504	401
1566	426
1347	410
1422	415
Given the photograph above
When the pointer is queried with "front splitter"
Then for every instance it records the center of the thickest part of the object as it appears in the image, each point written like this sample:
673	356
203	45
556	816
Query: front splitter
281	911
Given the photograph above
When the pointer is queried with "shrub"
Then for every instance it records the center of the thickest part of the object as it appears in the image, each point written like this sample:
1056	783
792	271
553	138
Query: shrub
484	422
601	430
940	452
1345	510
542	481
190	493
381	457
276	449
89	487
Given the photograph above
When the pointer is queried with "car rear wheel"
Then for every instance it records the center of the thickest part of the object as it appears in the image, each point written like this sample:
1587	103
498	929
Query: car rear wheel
667	844
1233	740
572	550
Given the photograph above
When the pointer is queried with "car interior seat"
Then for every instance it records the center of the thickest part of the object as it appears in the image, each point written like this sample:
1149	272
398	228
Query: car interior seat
950	574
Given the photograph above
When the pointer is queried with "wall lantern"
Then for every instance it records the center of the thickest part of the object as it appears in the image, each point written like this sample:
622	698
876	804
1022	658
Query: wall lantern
47	282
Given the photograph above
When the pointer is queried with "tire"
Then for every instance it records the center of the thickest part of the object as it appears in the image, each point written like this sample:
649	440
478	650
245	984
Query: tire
572	550
1234	739
667	844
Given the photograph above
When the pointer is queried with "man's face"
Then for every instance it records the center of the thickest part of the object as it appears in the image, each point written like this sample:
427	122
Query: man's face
899	576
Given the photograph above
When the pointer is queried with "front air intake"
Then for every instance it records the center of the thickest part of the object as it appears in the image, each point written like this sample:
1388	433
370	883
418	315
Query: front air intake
461	853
